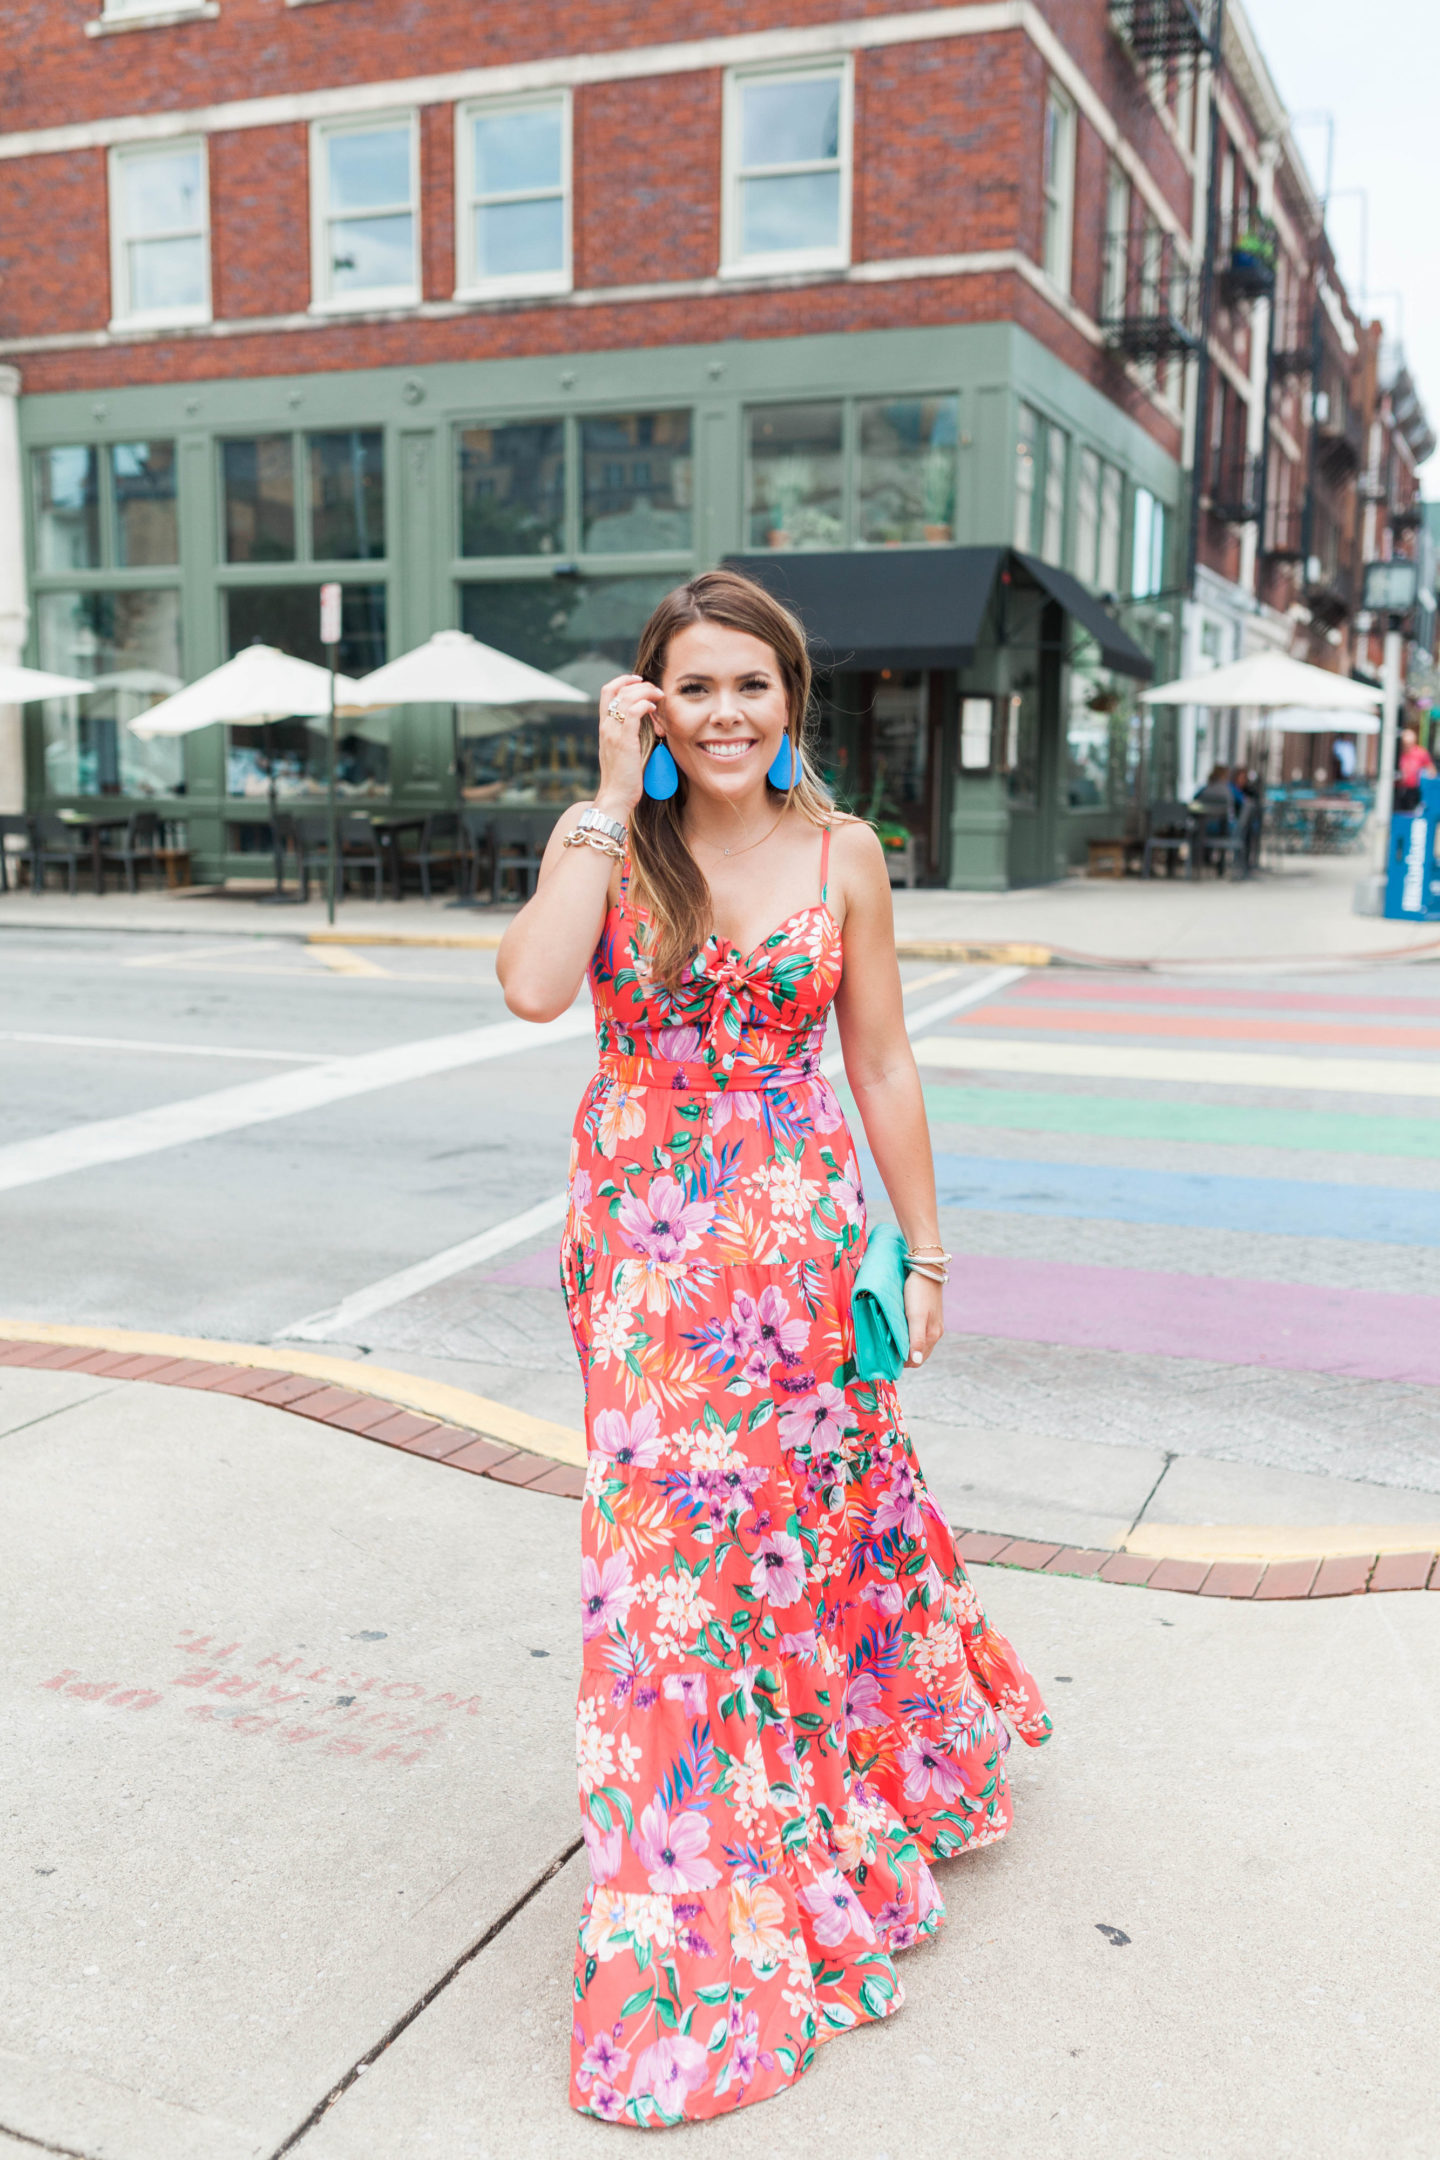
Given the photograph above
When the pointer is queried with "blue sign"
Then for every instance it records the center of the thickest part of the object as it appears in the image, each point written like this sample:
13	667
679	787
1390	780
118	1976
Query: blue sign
1412	879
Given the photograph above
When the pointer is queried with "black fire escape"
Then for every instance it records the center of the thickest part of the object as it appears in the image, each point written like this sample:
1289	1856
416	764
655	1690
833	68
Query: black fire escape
1167	29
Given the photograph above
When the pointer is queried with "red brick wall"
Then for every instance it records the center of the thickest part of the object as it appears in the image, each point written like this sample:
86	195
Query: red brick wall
259	222
54	245
946	131
647	180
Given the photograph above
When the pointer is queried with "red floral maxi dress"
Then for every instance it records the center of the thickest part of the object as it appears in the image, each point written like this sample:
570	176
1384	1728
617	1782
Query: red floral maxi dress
790	1692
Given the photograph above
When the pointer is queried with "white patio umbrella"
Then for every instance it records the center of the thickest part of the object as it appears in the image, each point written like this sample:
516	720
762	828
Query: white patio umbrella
1268	680
452	668
1297	720
22	685
259	686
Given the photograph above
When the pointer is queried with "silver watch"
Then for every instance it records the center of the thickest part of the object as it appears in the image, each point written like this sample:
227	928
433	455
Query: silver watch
596	821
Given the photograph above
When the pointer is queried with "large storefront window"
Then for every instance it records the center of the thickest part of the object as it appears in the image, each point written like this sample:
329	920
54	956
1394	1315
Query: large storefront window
258	477
110	509
582	629
347	496
795	476
289	616
128	645
512	488
907	470
142	479
344	497
636	483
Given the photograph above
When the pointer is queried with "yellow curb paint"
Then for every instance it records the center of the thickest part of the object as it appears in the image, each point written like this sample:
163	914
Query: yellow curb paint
957	952
1248	1541
435	1398
461	940
341	961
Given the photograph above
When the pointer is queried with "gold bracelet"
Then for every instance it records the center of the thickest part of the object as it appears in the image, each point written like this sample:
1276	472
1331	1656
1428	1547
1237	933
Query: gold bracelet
597	841
932	1270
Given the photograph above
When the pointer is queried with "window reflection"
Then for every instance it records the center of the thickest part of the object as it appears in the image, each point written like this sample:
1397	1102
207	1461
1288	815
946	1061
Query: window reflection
143	477
794	483
288	616
512	488
128	645
907	469
258	476
347	496
636	480
67	507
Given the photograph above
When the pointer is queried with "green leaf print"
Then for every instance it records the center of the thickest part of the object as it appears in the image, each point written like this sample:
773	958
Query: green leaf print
634	2004
665	2012
876	1994
717	2036
621	1805
712	1995
760	1415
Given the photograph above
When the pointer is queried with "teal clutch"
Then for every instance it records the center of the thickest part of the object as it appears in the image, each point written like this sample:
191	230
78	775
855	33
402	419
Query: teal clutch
882	1333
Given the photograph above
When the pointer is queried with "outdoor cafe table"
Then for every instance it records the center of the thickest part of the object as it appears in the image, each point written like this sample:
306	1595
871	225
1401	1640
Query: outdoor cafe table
92	831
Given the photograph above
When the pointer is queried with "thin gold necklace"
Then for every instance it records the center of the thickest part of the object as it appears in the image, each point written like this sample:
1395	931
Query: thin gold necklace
749	843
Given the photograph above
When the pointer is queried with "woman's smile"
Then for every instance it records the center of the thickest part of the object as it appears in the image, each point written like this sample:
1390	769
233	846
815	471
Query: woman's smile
728	747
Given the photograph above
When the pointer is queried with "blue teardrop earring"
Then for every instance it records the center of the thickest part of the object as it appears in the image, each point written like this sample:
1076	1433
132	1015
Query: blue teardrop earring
661	775
782	770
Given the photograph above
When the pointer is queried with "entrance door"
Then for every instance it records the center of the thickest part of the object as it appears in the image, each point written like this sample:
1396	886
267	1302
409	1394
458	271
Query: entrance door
1035	755
898	773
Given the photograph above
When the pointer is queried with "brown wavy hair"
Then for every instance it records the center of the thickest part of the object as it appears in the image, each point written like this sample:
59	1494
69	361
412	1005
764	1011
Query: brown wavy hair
667	880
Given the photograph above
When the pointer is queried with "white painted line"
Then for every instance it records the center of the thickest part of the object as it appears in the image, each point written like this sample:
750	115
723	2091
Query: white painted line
338	1323
169	1049
1231	1068
257	1102
333	1326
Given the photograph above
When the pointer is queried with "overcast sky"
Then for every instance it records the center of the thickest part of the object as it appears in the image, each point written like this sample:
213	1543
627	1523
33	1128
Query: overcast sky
1376	69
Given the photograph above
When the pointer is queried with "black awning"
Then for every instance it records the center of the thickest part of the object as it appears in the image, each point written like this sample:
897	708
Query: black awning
918	607
883	608
1118	649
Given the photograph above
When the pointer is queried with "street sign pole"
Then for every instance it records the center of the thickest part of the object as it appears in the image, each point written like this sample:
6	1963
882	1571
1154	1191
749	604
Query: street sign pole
330	639
1392	587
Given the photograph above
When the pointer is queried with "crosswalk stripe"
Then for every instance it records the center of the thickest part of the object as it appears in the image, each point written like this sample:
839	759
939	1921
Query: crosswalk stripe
1229	1068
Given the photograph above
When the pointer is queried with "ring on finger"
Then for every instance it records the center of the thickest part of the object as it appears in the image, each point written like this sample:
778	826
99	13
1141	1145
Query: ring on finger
616	709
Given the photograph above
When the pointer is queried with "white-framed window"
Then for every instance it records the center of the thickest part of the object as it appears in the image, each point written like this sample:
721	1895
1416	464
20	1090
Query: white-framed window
160	233
1112	517
1147	573
1087	515
1052	529
512	164
364	207
786	202
1059	181
139	11
1116	262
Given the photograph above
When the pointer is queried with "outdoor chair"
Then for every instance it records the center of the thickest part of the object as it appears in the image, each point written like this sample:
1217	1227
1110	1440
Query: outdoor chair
519	852
1168	834
1221	834
136	844
13	829
53	842
359	852
477	853
438	848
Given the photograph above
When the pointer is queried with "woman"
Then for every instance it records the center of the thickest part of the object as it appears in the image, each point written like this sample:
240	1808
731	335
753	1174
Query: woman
790	1692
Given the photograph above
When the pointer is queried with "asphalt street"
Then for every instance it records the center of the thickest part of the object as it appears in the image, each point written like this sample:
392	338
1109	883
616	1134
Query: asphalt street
1225	1253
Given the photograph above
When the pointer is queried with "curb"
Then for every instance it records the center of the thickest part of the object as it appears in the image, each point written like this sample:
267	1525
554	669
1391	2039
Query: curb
485	1446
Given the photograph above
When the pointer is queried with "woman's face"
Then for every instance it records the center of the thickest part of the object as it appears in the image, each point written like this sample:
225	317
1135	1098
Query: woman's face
724	709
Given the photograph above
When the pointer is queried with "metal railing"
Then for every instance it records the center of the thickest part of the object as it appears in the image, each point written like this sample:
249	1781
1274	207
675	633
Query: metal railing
1236	486
1165	29
1150	295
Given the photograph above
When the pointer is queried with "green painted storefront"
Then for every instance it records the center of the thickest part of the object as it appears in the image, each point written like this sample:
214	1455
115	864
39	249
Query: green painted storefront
544	504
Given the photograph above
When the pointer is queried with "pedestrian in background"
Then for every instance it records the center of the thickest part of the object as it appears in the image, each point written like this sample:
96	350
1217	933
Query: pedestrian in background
791	1695
1416	764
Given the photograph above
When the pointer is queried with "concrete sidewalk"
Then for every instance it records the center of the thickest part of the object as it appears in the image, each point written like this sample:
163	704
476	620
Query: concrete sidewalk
287	1734
1299	912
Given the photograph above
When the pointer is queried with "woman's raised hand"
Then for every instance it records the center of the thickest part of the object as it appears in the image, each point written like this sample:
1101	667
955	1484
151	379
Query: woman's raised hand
622	760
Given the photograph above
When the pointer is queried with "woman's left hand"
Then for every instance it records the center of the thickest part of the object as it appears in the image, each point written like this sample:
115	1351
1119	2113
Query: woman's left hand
924	1314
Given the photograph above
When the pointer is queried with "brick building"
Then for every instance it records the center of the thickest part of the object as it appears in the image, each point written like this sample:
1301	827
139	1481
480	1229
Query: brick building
508	319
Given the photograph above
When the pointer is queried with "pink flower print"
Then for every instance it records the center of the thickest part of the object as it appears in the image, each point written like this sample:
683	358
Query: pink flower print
603	2059
846	1192
634	1440
664	1225
899	1508
804	1645
886	1597
622	1117
686	1688
774	1337
678	1045
928	1892
838	1912
863	1702
817	1421
779	1570
580	1192
745	2056
669	2072
927	1770
605	1594
672	1849
607	2103
602	1849
741	1104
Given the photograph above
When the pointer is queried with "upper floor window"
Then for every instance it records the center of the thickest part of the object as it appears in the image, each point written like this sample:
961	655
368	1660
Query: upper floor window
365	191
513	230
159	234
1059	185
787	162
1147	569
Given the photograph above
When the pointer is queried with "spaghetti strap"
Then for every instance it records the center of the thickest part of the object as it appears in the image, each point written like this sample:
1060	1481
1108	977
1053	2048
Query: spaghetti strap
825	867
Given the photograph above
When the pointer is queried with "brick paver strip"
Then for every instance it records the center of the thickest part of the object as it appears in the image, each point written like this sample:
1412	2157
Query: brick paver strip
1342	1577
1233	1578
1402	1571
1287	1579
373	1417
1128	1567
1075	1560
1179	1575
1023	1554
